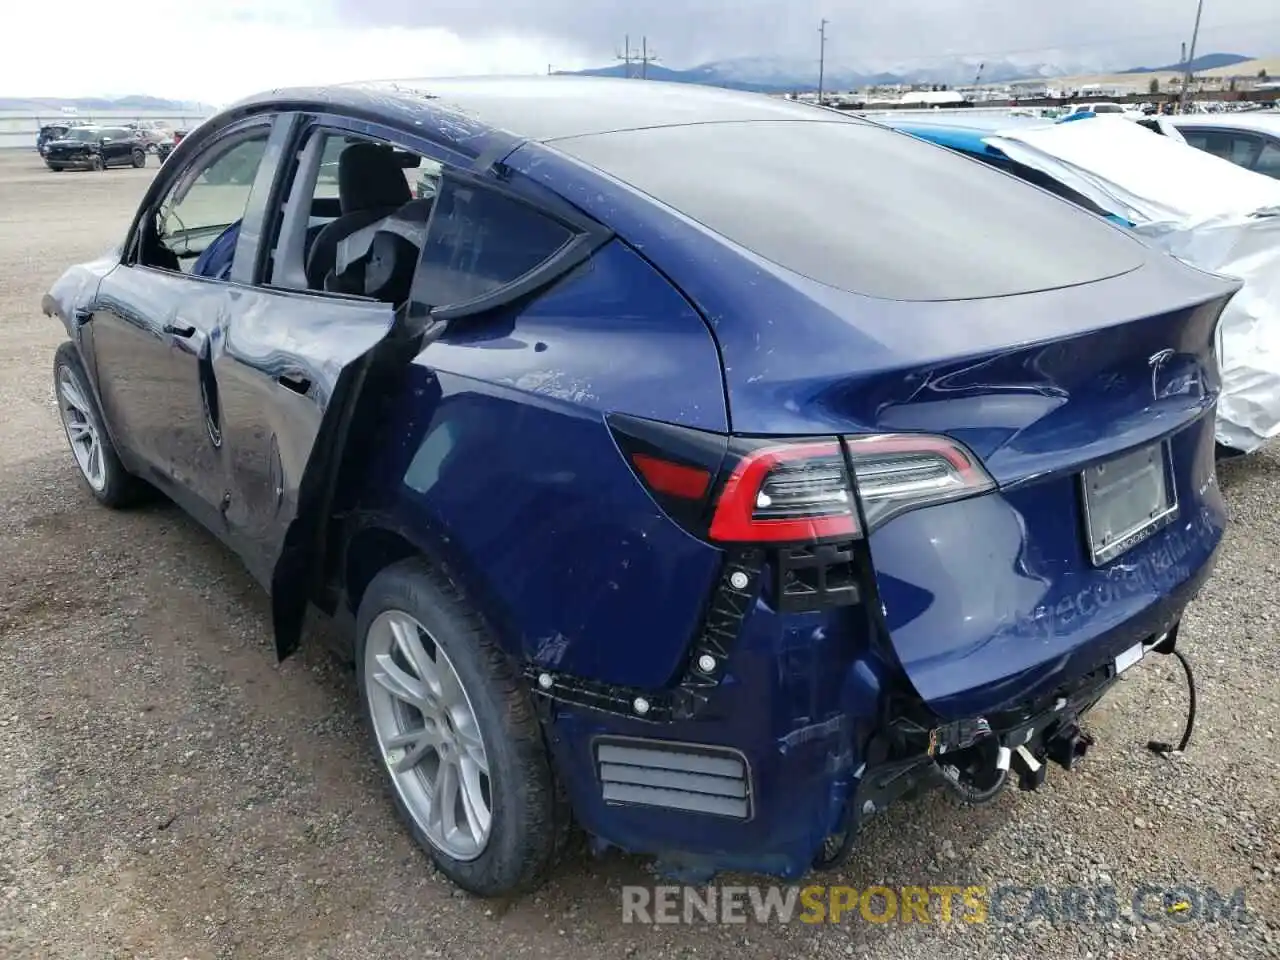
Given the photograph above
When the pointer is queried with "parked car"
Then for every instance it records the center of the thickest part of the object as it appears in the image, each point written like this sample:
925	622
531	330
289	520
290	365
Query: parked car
54	131
151	133
1247	139
1211	213
1118	109
673	476
96	148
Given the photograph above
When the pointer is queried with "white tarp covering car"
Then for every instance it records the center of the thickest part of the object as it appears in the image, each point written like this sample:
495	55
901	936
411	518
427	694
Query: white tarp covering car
1200	208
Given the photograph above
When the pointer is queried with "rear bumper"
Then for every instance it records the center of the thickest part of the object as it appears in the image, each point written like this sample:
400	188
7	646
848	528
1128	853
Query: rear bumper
810	731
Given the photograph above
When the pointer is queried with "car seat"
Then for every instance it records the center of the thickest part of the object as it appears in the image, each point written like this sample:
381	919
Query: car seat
371	186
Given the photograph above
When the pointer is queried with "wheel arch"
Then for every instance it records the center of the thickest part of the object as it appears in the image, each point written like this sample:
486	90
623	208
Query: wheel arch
371	541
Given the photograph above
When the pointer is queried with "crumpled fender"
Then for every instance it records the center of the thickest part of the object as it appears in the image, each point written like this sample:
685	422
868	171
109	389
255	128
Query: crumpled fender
76	291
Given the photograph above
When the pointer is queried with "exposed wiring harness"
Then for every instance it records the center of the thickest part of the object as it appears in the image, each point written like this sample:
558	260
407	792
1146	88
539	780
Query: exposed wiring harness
1159	746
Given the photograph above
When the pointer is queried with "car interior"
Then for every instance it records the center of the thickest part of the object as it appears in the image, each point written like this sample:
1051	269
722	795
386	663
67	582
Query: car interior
364	242
371	247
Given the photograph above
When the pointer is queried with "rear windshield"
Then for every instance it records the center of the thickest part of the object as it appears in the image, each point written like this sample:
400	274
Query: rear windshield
863	208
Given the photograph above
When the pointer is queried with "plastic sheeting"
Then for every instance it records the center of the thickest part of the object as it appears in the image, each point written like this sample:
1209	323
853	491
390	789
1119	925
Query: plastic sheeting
1202	209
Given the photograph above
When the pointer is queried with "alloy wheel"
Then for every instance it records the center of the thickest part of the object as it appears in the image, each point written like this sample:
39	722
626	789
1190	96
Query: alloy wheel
82	430
428	735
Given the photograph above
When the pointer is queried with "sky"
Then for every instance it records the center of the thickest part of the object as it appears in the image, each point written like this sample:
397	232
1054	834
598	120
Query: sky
220	50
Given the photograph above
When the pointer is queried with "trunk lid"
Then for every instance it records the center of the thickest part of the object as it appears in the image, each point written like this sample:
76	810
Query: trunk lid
994	600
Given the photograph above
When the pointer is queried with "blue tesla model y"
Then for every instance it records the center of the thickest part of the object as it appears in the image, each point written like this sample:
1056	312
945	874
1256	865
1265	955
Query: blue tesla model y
701	468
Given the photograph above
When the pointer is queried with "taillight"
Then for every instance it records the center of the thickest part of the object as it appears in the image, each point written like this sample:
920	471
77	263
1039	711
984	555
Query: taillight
786	493
753	491
900	472
801	491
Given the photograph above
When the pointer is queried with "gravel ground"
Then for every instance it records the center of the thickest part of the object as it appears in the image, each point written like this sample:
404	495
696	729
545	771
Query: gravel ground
168	791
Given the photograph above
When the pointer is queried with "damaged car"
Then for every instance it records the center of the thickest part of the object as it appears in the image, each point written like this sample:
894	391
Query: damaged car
673	476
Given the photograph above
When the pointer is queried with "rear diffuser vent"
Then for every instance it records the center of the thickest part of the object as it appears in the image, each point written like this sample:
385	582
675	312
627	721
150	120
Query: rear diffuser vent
677	776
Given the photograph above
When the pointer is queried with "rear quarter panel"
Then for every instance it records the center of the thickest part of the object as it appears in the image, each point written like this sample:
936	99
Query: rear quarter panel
495	457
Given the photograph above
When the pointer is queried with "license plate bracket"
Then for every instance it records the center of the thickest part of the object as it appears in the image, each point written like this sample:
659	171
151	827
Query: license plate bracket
1127	499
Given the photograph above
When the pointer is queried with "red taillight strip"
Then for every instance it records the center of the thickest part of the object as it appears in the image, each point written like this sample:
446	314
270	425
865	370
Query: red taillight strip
673	479
734	521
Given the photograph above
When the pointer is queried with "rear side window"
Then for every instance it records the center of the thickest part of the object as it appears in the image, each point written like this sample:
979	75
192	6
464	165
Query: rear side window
863	208
479	241
1242	149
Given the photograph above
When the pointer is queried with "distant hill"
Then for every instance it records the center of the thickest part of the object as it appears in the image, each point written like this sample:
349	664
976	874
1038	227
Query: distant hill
1210	61
89	104
782	74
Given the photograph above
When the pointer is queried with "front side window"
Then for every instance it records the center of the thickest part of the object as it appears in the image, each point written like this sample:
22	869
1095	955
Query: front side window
203	209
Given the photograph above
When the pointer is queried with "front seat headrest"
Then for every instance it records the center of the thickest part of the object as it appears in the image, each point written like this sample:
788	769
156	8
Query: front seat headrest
370	178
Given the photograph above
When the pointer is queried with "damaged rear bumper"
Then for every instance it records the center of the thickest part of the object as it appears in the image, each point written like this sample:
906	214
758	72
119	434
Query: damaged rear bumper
727	791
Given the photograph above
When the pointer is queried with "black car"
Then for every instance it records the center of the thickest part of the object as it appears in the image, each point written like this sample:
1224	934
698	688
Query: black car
96	148
53	131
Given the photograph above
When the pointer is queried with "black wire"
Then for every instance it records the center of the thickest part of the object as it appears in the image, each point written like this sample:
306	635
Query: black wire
1159	746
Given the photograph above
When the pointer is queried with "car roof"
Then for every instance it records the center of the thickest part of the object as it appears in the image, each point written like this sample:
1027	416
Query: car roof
1266	121
542	108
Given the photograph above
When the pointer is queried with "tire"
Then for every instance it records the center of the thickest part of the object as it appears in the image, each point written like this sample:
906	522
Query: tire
528	816
55	168
109	482
139	159
97	163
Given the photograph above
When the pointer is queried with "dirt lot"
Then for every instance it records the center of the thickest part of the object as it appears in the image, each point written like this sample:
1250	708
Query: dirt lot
168	791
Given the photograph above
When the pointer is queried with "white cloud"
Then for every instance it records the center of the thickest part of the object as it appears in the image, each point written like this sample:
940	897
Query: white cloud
76	48
221	50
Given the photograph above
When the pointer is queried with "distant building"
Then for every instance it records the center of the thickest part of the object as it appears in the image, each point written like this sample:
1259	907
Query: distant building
1028	89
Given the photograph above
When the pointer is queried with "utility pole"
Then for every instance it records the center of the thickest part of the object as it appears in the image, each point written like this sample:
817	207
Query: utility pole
822	55
626	55
1186	67
641	56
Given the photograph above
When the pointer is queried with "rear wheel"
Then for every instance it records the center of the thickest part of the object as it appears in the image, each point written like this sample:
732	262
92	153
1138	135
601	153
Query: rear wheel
91	448
139	158
457	733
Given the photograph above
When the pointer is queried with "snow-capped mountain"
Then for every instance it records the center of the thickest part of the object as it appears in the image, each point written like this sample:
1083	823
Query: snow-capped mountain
778	74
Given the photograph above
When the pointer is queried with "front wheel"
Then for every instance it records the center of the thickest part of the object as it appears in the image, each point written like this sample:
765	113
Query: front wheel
97	163
457	733
91	448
